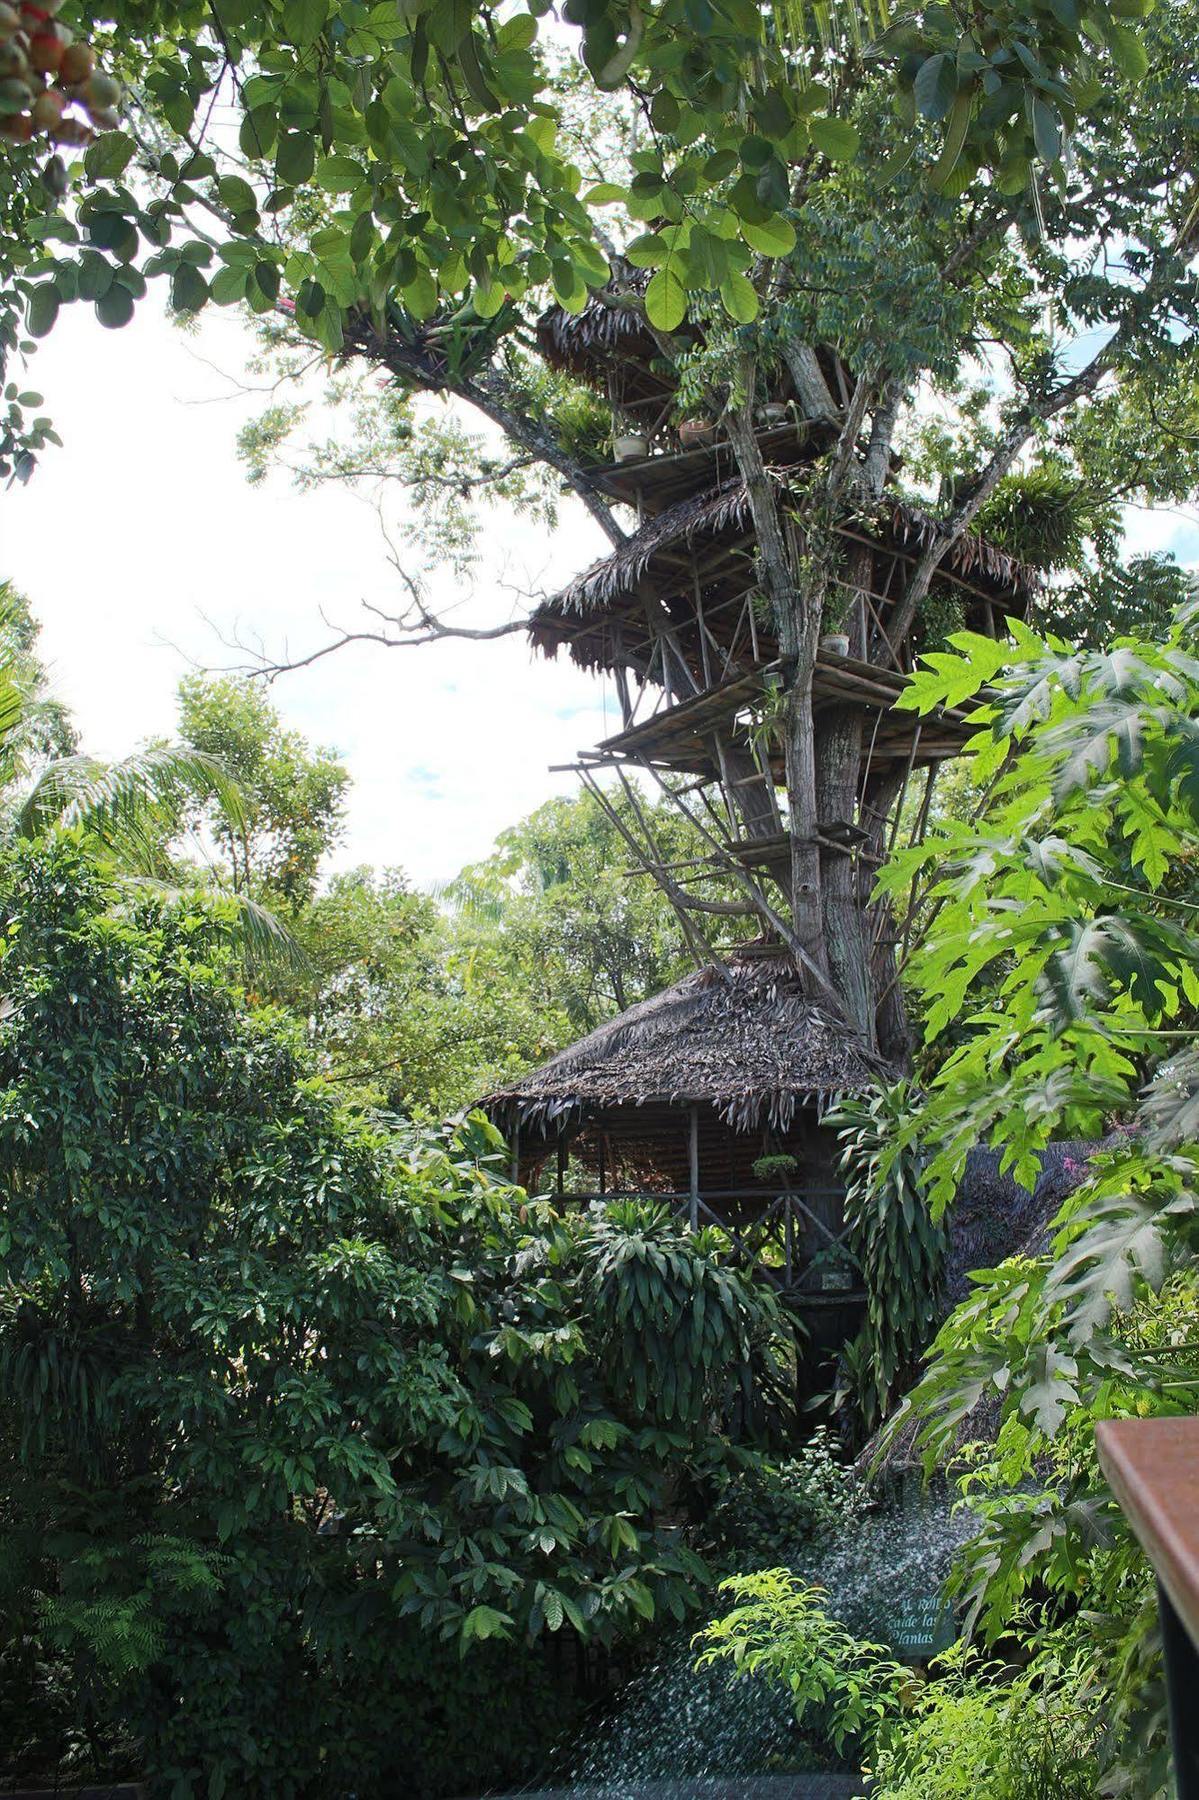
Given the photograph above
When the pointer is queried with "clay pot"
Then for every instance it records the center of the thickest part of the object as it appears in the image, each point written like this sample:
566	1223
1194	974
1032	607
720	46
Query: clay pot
695	434
835	643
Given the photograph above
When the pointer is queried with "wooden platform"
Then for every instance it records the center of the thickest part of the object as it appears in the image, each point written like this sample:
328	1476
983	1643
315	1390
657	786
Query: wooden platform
653	483
680	737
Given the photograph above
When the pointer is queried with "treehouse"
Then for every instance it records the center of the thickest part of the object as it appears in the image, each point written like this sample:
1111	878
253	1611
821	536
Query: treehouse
710	1097
773	725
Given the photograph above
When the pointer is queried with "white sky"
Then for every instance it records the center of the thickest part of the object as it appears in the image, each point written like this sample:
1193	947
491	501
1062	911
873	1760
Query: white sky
143	526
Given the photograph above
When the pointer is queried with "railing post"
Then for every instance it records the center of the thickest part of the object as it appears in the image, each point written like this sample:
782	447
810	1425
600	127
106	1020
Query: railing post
1151	1465
693	1164
788	1237
1182	1692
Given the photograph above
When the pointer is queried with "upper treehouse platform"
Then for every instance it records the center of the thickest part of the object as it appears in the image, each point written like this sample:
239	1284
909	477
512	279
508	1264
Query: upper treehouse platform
675	614
611	347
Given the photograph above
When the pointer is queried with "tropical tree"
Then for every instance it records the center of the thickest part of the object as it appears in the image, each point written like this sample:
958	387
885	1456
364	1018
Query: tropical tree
46	780
441	158
1057	958
579	926
293	794
990	304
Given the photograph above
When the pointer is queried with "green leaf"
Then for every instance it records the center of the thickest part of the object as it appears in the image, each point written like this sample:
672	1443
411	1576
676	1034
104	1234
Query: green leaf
108	156
1127	50
739	298
837	138
310	300
189	290
955	138
485	1622
304	20
666	300
1046	130
115	308
935	86
237	194
775	238
295	158
228	286
340	173
259	129
648	251
42	310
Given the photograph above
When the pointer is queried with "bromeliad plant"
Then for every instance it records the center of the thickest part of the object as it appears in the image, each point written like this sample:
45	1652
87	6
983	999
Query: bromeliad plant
897	1244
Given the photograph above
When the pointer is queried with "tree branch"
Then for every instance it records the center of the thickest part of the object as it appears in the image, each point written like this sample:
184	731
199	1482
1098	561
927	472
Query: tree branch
486	393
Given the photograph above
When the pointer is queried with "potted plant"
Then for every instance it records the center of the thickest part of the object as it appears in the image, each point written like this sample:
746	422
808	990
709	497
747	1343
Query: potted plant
834	1269
774	412
695	434
775	1171
629	446
835	643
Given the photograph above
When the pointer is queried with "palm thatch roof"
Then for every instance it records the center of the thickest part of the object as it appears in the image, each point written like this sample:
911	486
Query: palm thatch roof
741	1038
609	344
708	539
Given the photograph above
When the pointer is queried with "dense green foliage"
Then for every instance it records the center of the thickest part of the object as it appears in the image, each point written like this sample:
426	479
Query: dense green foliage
899	1248
1058	964
434	162
976	1732
281	1389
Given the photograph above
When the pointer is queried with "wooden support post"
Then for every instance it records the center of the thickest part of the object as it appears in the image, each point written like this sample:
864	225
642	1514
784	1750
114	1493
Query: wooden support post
603	1187
693	1164
516	1152
561	1161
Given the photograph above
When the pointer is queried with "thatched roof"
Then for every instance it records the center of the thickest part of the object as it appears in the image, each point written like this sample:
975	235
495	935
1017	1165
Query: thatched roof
724	513
740	1037
608	339
615	577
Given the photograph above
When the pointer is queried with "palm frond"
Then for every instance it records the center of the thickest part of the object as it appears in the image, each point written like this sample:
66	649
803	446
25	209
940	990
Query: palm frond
262	937
108	799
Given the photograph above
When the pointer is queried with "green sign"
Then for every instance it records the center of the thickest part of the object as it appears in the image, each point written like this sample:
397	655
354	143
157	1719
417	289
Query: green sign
921	1628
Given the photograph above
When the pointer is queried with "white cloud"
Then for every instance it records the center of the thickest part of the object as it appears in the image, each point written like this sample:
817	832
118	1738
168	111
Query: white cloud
143	526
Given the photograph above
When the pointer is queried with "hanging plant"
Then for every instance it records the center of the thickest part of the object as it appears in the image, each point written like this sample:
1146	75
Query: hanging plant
897	1244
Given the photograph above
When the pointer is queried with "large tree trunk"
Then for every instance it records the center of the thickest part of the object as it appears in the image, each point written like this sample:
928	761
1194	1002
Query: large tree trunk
838	759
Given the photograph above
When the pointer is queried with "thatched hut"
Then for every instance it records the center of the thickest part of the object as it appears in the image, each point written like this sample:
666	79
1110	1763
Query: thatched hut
712	1097
698	557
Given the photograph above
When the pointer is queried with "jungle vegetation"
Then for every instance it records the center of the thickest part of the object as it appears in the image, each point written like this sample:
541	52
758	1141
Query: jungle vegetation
301	1400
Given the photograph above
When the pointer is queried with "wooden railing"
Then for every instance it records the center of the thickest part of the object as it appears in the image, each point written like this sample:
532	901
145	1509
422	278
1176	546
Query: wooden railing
1152	1468
768	1233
